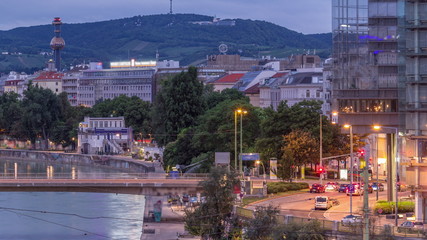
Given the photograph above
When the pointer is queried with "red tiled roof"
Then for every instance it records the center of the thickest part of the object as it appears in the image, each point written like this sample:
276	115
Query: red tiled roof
49	75
230	78
279	74
253	90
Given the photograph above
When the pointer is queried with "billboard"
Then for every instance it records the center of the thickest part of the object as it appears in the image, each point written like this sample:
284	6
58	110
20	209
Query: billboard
222	158
249	156
273	168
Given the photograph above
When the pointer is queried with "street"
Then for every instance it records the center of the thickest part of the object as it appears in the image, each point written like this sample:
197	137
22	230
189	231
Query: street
302	205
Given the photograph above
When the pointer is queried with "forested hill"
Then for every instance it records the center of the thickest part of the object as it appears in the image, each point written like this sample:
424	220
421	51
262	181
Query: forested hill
173	36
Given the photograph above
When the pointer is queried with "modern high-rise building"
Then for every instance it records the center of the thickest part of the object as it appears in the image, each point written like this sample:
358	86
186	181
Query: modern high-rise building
365	76
380	78
414	101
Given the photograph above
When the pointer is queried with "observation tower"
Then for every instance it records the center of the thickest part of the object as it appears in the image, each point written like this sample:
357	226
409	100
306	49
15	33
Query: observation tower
57	43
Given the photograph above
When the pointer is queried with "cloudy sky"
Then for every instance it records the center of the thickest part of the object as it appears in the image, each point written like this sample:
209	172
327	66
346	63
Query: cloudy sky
305	16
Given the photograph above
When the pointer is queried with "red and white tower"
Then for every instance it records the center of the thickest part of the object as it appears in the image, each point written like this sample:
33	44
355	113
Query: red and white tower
57	43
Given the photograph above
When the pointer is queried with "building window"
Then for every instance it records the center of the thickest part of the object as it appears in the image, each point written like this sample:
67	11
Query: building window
307	93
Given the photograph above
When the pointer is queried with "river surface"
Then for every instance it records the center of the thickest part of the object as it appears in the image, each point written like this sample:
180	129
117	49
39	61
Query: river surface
63	215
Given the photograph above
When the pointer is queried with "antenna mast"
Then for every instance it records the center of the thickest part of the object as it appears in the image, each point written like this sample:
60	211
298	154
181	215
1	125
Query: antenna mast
171	8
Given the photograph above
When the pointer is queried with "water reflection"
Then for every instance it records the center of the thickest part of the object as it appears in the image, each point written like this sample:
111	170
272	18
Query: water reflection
28	169
66	216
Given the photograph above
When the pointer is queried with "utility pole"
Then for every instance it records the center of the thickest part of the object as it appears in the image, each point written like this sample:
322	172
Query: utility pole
366	194
321	149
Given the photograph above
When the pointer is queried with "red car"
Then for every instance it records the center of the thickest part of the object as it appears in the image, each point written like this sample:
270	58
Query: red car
317	188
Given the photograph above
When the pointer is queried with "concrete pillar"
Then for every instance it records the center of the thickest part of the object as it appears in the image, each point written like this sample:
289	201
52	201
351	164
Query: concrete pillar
150	202
419	210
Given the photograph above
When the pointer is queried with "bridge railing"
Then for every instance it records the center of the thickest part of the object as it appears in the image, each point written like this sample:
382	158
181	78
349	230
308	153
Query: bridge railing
86	175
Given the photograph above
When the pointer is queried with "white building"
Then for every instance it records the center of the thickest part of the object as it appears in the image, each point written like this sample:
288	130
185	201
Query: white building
104	135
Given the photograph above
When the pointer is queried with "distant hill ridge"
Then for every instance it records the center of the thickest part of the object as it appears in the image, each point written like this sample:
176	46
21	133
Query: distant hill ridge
173	36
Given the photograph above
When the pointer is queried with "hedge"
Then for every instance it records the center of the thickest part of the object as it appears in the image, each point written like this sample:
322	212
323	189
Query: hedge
388	207
275	187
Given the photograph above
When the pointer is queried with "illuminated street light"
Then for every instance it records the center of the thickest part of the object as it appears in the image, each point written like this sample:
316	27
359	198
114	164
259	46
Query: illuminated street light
236	112
350	127
241	139
377	127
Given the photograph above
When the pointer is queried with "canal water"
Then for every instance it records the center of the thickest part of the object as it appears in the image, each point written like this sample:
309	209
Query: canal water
63	215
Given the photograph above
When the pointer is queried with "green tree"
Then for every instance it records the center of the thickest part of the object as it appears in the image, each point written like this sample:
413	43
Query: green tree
178	105
10	114
213	218
299	148
274	126
41	110
135	111
262	225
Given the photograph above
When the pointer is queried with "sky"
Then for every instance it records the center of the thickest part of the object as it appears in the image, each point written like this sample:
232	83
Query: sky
304	16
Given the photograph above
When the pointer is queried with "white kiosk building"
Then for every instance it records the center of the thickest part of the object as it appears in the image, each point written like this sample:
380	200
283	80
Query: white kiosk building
104	136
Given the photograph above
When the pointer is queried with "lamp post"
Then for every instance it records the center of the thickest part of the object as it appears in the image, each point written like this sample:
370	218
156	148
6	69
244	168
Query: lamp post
396	133
263	168
321	148
350	127
235	138
241	138
238	112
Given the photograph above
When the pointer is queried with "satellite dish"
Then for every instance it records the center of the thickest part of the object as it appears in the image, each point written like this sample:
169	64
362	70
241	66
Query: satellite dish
223	48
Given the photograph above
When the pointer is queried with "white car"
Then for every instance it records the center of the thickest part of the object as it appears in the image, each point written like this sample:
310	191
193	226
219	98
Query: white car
330	188
351	219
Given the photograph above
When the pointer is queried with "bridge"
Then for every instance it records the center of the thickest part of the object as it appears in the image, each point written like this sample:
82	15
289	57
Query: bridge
140	184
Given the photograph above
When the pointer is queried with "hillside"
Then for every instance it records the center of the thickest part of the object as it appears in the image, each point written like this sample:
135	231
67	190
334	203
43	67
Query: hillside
175	37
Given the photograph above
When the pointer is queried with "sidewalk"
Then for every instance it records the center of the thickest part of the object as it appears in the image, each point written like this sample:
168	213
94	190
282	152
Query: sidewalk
171	226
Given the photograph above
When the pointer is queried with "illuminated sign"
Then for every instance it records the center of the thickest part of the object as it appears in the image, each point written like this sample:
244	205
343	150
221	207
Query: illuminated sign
133	63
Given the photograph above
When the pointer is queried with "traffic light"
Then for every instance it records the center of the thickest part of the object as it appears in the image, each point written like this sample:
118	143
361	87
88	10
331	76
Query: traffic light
361	152
321	169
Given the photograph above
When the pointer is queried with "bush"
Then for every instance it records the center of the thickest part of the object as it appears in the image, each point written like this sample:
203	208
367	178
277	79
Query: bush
388	207
276	187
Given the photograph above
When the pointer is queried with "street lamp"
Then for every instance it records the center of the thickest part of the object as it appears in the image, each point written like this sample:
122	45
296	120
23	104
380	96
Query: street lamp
321	148
396	133
263	168
350	127
236	112
241	139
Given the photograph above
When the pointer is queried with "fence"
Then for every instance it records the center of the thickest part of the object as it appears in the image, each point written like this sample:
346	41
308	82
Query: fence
340	231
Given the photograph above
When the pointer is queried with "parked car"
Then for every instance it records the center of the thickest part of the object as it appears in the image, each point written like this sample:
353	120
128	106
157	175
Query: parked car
343	188
351	219
330	188
378	187
317	188
409	226
334	184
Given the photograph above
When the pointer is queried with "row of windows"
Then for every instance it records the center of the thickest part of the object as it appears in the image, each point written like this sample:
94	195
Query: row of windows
106	124
86	88
130	81
119	73
140	95
369	105
85	95
128	88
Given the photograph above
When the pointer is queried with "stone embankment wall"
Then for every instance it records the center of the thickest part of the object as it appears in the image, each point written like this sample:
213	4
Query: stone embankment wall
122	163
